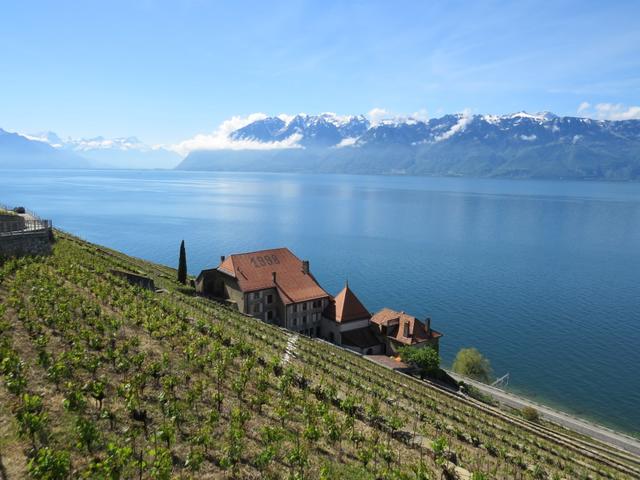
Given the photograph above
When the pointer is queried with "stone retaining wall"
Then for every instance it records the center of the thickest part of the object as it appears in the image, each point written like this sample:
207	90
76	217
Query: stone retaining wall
28	243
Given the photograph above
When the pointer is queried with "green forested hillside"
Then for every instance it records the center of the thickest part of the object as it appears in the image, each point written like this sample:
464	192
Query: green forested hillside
103	380
468	158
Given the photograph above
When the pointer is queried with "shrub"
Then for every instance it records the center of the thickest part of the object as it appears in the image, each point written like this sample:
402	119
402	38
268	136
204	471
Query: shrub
49	464
530	414
472	363
426	359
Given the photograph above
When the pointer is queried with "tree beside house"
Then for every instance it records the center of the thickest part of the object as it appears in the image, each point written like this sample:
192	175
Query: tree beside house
182	264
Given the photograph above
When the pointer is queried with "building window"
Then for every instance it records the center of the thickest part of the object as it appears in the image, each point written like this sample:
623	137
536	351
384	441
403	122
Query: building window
295	307
270	315
304	319
256	295
332	337
295	321
369	351
317	303
304	306
269	299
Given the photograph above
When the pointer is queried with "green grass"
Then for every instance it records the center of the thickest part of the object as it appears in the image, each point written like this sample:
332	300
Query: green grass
133	383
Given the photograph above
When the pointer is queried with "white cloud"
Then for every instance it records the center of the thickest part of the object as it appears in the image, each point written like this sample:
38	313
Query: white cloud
465	118
583	107
380	115
220	139
609	111
528	138
421	115
377	115
347	142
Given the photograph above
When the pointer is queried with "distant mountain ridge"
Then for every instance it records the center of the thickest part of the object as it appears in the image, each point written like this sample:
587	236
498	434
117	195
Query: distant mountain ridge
519	145
119	152
48	150
323	130
17	151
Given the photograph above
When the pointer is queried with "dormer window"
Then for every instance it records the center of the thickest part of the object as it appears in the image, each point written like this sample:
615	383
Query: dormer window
406	329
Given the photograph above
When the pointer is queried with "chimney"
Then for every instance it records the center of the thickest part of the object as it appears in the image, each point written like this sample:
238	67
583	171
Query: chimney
305	267
406	329
222	257
428	322
273	274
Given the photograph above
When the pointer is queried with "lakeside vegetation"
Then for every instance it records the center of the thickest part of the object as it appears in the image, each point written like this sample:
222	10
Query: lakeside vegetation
471	363
102	379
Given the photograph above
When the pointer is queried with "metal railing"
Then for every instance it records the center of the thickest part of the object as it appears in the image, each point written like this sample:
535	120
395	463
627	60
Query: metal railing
26	211
20	227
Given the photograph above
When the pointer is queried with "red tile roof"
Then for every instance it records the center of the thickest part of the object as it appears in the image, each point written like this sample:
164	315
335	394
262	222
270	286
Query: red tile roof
346	307
395	323
254	271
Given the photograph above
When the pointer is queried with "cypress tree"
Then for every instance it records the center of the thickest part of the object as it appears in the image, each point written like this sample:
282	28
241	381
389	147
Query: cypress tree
182	265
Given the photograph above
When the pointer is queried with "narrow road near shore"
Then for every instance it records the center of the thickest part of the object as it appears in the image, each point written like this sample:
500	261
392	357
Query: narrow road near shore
597	432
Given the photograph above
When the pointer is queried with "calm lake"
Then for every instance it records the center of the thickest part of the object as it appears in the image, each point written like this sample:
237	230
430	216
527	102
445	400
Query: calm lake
542	277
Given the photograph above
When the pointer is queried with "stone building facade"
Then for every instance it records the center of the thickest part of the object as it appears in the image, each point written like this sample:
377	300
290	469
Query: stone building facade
273	285
278	288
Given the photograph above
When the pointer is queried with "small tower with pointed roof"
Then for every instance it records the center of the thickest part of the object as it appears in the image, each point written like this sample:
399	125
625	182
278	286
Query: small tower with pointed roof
347	322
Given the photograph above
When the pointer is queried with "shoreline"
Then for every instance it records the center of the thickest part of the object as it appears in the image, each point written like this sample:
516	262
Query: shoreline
618	439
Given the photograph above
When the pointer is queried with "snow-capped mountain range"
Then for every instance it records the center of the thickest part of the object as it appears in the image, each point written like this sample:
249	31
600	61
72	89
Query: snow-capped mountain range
120	152
323	130
519	145
330	130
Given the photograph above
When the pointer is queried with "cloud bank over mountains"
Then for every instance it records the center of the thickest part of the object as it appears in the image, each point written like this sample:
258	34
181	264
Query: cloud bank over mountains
608	123
609	111
223	137
517	145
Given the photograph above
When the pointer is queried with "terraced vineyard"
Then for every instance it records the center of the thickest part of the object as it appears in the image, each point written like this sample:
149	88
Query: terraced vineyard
104	380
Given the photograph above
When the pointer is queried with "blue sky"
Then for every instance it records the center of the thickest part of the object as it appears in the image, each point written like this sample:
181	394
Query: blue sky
166	71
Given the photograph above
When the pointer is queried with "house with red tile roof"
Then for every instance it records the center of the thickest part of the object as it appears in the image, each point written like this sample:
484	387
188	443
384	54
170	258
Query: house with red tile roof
347	322
400	330
277	287
273	285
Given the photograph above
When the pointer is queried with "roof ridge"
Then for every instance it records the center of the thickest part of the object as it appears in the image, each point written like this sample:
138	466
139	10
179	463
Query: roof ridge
254	270
231	255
